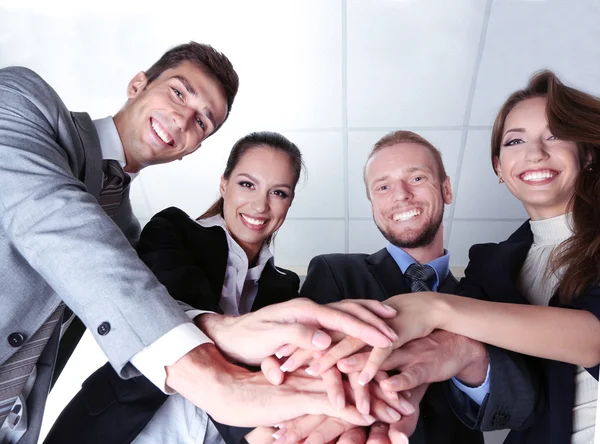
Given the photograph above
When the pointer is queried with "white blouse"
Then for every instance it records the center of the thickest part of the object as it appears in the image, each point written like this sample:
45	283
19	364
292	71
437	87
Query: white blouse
538	287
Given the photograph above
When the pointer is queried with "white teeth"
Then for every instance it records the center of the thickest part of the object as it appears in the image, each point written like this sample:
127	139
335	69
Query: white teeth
163	136
407	215
253	221
538	175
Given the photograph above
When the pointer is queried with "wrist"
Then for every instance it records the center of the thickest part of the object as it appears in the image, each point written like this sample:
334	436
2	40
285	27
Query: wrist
474	373
442	311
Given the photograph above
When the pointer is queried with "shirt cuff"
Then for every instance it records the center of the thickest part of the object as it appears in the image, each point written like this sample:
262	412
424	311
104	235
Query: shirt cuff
167	350
477	394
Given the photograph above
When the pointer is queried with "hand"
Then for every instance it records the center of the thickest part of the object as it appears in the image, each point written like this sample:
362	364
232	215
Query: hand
252	337
437	357
238	397
261	435
418	315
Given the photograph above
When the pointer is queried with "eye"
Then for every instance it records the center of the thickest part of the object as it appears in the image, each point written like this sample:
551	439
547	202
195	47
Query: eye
200	122
177	93
552	138
418	179
513	142
246	184
383	188
281	194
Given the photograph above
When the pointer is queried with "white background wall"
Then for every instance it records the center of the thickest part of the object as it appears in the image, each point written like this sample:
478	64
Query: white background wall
332	75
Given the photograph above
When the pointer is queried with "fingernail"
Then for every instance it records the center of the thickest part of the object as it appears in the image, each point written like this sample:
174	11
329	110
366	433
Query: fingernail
287	365
407	394
364	407
392	333
321	340
364	379
407	406
393	414
313	369
278	354
404	438
281	439
392	395
369	419
340	402
390	308
279	433
274	376
350	361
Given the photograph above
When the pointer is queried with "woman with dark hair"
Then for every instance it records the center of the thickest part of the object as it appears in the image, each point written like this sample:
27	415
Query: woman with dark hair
544	280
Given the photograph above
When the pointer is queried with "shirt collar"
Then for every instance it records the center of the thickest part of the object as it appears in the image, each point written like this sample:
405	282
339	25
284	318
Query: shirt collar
265	256
440	265
110	142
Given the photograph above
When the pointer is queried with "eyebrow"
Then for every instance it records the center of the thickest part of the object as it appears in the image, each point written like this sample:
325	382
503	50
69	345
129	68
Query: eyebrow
190	89
514	130
254	179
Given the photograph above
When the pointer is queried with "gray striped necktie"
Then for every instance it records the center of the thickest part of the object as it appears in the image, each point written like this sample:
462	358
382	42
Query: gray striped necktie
15	372
420	277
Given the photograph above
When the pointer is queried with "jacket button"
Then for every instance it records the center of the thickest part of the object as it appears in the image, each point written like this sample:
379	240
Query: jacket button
16	339
499	420
103	328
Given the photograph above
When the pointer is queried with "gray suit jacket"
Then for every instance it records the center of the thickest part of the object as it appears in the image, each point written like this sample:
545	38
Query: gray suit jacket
56	242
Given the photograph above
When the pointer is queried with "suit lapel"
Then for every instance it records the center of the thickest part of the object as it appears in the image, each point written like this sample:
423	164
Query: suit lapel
273	288
92	174
387	273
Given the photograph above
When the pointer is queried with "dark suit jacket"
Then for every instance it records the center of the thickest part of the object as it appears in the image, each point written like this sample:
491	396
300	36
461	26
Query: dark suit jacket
492	274
190	261
334	277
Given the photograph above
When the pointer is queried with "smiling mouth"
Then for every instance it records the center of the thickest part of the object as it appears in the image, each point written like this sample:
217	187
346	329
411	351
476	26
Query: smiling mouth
161	133
538	176
406	215
252	221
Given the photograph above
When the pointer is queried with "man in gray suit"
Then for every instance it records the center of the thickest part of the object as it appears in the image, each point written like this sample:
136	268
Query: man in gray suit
57	244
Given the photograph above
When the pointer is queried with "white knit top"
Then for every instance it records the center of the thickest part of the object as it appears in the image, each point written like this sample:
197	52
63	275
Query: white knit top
539	287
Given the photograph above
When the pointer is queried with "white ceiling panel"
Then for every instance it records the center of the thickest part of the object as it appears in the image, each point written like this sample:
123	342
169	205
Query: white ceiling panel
411	63
526	36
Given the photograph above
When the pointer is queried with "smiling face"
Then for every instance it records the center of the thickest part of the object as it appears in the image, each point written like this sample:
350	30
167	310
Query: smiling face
169	118
257	196
407	196
537	168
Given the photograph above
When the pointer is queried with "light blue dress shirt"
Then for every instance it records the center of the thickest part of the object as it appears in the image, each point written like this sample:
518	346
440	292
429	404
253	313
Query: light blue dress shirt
441	266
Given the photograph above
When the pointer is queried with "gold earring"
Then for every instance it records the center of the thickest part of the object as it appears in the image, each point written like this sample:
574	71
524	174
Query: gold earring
500	180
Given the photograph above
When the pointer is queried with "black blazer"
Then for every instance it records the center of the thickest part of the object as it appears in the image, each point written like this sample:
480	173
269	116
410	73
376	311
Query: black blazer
334	277
492	274
190	261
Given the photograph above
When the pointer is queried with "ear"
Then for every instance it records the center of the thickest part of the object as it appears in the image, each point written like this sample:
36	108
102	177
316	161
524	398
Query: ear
497	166
447	190
136	85
223	186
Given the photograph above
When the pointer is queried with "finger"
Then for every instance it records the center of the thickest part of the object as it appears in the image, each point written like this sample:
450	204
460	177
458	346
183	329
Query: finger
399	432
298	429
357	435
361	394
379	434
382	376
370	312
376	359
408	379
341	350
335	390
328	430
400	403
327	317
270	368
285	350
299	358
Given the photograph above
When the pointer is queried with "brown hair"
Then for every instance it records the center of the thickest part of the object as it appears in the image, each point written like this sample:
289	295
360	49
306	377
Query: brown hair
575	116
402	136
268	139
205	57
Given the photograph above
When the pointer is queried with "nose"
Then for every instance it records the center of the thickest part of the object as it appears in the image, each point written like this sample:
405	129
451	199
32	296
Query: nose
403	192
536	151
182	116
260	204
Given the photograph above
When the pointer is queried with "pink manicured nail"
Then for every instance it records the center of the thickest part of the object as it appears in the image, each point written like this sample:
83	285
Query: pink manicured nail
287	365
364	379
321	340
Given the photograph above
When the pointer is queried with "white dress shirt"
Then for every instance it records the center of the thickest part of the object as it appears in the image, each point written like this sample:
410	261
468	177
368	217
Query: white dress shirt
178	421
